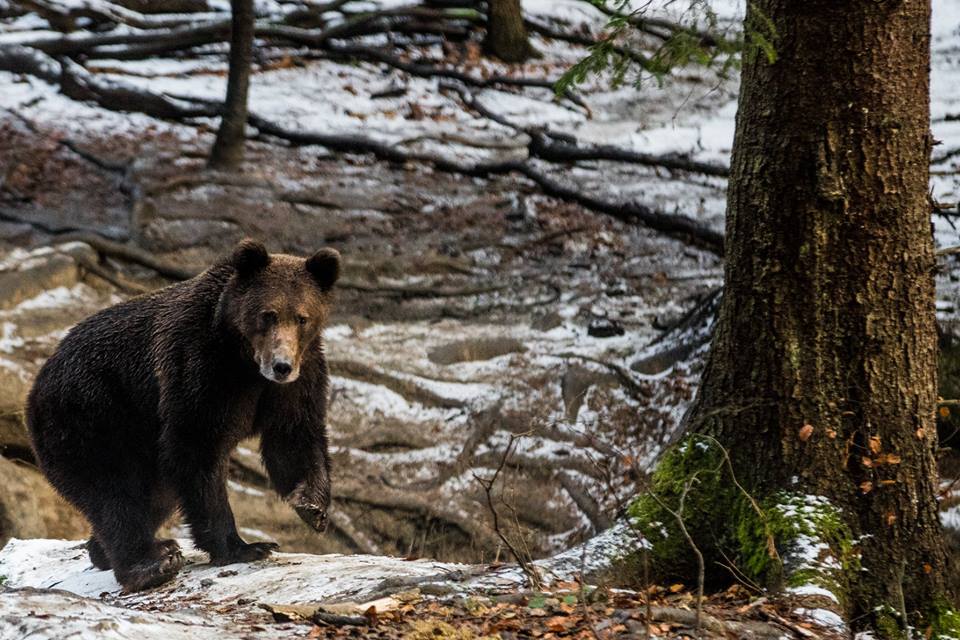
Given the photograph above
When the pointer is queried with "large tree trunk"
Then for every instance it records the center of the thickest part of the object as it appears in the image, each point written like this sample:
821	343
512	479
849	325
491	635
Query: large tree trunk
507	37
228	148
821	383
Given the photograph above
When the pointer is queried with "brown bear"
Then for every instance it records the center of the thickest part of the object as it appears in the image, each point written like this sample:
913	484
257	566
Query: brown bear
137	411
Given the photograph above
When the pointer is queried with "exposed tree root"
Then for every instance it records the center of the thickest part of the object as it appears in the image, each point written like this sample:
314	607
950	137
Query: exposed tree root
408	388
383	497
128	253
584	502
677	226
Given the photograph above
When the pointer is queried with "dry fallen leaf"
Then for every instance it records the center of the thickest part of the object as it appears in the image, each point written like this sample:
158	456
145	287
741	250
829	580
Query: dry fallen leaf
921	433
832	434
676	588
891	518
558	624
867	462
944	412
874	444
866	486
805	432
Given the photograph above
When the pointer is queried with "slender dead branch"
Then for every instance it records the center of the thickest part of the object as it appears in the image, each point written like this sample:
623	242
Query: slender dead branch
528	568
701	570
771	541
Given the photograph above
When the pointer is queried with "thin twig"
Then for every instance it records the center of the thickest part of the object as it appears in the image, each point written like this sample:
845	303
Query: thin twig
678	516
528	568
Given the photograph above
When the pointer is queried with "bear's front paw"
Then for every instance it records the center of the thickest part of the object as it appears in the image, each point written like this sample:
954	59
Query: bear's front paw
245	553
313	515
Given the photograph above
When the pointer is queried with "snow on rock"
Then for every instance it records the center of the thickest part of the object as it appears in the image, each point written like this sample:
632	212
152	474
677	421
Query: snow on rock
813	590
283	578
33	613
824	618
52	591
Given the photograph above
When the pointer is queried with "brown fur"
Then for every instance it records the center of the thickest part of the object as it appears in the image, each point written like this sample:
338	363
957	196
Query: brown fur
137	411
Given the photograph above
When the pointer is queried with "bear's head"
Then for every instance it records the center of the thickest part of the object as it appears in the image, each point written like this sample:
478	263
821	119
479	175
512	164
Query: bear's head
279	304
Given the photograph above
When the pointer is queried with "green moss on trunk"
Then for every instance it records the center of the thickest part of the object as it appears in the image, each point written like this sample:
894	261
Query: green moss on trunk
780	540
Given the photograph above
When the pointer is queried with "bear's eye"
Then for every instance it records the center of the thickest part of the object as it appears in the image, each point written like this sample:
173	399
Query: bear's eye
268	317
302	320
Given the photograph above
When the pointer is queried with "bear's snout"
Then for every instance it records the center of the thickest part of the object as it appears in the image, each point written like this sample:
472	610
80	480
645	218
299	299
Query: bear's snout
279	368
278	353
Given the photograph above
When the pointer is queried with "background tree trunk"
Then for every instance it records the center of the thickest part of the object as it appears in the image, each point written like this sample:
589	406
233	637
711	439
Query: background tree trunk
227	150
507	37
822	376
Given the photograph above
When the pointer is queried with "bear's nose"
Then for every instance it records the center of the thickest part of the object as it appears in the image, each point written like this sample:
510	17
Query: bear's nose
282	369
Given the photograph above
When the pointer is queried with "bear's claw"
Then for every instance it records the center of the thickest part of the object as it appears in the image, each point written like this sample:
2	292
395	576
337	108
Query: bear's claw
154	571
313	515
246	553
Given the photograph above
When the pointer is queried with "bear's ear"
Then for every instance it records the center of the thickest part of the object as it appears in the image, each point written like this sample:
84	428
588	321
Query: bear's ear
324	266
249	257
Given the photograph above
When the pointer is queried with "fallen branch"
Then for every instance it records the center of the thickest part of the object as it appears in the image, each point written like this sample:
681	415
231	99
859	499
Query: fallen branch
64	15
547	147
78	83
339	620
563	148
424	70
92	45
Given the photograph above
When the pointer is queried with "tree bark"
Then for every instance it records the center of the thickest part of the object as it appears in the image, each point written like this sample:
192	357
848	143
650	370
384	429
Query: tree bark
821	380
507	37
227	153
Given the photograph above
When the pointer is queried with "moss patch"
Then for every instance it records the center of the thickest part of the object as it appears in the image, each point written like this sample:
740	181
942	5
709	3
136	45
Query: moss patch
692	470
780	540
943	622
813	542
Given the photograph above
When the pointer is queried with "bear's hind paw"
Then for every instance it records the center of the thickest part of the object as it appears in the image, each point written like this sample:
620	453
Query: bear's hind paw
153	572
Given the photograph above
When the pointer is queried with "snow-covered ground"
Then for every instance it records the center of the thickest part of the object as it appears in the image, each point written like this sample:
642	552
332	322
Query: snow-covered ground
59	594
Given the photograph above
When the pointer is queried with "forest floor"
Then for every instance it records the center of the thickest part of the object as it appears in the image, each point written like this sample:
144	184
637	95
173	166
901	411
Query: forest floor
482	321
359	596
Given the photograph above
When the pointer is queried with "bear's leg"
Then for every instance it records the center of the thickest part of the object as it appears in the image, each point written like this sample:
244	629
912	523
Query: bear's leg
203	497
162	506
98	557
125	525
